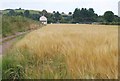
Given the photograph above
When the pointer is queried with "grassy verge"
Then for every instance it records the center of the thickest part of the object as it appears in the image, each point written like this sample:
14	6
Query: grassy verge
13	24
6	58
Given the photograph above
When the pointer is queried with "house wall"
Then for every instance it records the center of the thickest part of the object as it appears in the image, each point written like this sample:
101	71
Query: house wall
44	22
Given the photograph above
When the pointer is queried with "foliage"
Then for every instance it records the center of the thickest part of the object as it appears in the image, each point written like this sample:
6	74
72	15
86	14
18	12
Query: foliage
16	70
11	13
44	12
110	23
14	24
57	16
109	16
82	15
26	13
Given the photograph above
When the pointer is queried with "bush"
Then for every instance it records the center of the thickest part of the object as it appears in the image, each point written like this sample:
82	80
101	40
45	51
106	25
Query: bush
14	24
13	68
110	23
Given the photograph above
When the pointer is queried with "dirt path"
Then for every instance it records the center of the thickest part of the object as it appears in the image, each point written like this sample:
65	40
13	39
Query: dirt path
11	37
7	45
7	42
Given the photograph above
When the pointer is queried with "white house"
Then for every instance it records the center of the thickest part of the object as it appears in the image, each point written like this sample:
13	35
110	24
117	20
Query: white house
43	20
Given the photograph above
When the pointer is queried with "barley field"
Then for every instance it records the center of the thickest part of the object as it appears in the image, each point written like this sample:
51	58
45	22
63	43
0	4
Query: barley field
65	51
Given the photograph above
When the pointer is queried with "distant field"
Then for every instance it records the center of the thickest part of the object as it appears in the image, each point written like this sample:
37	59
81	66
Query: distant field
65	52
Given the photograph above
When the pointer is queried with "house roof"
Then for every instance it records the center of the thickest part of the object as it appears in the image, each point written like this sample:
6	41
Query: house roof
43	18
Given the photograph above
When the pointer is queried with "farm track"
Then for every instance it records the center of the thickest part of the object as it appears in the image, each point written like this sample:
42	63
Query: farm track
7	42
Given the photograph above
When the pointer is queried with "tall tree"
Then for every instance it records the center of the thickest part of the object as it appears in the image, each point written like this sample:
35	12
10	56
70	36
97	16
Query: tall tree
109	16
53	12
91	10
62	13
70	13
26	13
91	15
44	12
76	15
57	16
84	15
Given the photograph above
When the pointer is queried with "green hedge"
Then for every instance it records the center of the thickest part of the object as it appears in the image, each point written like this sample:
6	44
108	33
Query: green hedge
110	23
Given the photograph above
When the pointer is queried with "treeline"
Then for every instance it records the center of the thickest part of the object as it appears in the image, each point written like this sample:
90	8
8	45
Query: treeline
82	15
21	12
89	16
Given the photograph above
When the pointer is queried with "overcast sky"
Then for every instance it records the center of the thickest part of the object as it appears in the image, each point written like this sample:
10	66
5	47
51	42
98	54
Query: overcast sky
100	6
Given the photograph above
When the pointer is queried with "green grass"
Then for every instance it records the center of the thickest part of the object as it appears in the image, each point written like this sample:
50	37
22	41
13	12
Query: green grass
31	11
14	24
34	12
17	66
14	68
14	42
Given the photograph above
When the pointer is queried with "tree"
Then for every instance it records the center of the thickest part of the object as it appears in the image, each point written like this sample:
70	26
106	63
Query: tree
57	16
70	13
109	16
76	15
116	18
84	15
26	13
53	12
11	13
44	12
19	13
51	18
91	10
20	9
63	13
100	19
91	15
35	16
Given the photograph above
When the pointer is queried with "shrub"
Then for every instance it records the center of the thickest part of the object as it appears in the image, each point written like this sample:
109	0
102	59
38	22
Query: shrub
13	24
